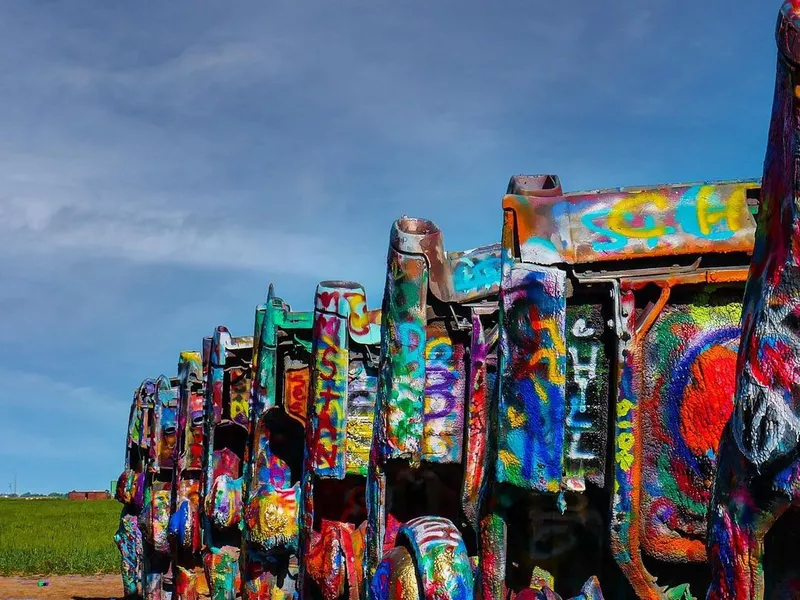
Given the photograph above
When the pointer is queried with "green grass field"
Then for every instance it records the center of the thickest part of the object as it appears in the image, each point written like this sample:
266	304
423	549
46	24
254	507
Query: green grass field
50	537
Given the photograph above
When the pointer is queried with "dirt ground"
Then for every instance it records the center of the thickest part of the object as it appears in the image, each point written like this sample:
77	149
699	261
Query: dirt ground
62	587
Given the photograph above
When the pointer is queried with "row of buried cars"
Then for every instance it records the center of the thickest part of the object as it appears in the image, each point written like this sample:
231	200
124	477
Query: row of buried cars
543	412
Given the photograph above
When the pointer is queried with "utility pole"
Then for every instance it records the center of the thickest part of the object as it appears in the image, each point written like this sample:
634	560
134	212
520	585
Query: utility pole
15	484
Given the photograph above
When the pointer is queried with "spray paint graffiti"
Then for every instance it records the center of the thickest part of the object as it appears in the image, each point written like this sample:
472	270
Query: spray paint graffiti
271	509
331	559
361	391
674	397
228	380
427	389
156	509
343	380
129	541
687	395
673	393
701	211
402	382
132	487
476	272
665	437
478	423
184	525
395	577
296	389
363	324
590	591
453	276
443	417
628	222
586	393
444	568
758	473
533	377
191	417
330	395
624	514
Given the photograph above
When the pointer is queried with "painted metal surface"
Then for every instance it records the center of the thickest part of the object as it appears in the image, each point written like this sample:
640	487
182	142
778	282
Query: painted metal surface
185	523
532	403
438	385
157	507
131	487
434	389
758	472
395	577
625	223
676	364
341	405
421	418
227	406
278	414
444	569
674	360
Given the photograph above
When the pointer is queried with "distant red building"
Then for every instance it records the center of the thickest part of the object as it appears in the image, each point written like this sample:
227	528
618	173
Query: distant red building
75	495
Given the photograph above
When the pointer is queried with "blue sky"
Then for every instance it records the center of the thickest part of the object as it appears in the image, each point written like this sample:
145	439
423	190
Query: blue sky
162	163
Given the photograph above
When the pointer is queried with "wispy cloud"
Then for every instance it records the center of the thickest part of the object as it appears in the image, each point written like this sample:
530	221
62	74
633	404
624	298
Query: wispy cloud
161	236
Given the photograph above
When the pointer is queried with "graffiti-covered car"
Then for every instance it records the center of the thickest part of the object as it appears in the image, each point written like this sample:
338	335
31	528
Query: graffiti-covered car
620	304
158	486
429	447
131	487
185	527
344	373
227	435
279	398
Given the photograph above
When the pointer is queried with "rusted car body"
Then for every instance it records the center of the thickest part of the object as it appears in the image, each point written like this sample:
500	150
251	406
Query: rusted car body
130	490
344	369
227	435
185	527
429	447
278	401
618	305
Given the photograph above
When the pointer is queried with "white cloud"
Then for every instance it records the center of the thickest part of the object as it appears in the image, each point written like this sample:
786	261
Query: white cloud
162	237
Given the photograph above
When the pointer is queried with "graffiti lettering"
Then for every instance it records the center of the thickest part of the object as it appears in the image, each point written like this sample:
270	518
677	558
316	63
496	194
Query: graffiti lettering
444	397
707	212
402	381
411	337
584	374
473	273
586	390
331	387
